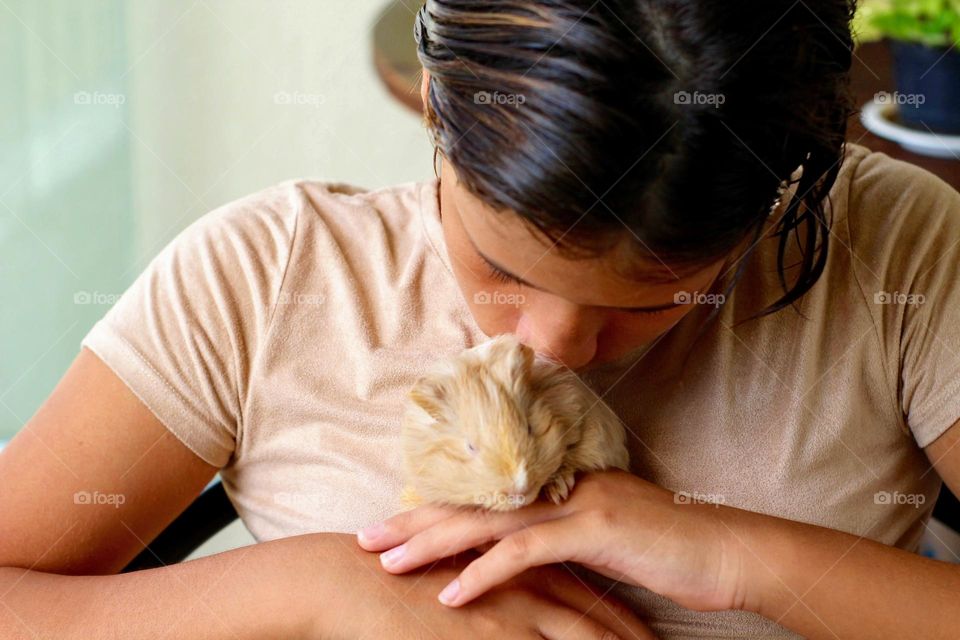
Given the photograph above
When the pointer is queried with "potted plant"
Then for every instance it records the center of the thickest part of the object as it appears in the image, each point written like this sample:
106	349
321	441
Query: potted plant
924	37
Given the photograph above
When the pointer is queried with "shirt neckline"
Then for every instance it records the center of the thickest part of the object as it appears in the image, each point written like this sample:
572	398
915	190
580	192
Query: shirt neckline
429	212
430	222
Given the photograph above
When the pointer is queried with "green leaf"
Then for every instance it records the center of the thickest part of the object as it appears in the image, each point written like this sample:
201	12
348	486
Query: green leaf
931	22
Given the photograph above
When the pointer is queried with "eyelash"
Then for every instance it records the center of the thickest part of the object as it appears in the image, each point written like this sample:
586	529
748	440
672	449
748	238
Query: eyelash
506	278
657	312
500	276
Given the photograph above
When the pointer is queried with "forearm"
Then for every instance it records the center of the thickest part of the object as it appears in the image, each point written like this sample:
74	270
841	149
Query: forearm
232	595
827	584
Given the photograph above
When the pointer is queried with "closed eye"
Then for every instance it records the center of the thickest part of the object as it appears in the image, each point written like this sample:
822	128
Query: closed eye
648	312
499	275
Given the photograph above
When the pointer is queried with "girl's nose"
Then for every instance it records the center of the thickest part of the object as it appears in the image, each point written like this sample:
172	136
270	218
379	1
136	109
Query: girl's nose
561	335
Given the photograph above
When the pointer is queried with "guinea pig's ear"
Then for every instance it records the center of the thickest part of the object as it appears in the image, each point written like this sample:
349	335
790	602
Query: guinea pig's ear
512	362
429	396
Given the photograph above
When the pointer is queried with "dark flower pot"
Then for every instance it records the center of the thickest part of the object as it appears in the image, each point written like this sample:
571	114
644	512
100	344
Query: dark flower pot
928	86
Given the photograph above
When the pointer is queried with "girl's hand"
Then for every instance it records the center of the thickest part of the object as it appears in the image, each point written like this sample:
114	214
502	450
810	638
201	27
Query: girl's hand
546	602
614	523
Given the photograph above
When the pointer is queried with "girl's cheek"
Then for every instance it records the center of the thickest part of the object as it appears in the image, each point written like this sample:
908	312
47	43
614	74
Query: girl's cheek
492	317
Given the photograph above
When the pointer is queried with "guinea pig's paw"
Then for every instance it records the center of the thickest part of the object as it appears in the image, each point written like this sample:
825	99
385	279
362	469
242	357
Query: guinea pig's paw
558	487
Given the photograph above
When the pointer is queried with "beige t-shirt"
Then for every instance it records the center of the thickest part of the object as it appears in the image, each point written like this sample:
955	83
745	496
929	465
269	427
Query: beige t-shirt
276	335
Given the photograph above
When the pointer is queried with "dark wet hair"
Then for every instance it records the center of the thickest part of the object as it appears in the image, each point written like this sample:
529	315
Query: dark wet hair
678	119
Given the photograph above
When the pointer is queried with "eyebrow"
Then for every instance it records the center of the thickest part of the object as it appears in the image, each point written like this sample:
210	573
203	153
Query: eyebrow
495	266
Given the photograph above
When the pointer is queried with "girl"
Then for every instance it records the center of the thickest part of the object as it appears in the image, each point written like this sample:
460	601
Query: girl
655	193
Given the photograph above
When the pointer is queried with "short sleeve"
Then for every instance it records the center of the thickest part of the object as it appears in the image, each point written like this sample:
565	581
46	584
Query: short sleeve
186	333
905	225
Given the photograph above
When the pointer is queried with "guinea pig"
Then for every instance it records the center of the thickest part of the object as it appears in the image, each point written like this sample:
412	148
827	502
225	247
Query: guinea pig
496	424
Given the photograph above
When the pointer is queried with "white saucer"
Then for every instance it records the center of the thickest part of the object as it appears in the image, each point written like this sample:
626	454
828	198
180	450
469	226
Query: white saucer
880	119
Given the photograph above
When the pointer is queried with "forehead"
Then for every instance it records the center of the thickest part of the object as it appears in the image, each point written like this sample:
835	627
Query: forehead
624	274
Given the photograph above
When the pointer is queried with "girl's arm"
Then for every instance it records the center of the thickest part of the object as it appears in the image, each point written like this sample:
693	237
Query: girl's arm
85	482
826	584
254	592
91	476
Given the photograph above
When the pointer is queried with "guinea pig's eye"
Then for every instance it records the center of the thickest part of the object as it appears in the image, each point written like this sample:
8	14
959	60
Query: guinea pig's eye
472	449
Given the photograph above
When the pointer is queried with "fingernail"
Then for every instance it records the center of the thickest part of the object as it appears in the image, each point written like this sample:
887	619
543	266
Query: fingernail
393	555
372	532
449	593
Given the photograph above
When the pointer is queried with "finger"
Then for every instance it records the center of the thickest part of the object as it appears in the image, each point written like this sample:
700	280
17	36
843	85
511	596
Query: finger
601	606
399	528
564	623
466	529
544	543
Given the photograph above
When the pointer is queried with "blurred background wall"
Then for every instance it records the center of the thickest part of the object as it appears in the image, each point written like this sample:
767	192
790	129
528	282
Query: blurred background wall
122	122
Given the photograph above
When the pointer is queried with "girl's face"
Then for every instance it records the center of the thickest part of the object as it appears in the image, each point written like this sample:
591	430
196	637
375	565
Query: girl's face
578	312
